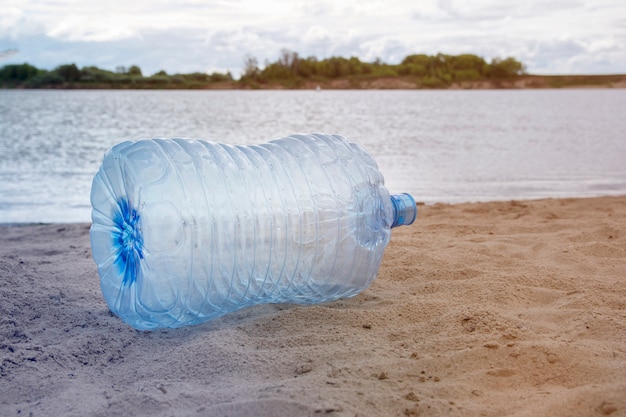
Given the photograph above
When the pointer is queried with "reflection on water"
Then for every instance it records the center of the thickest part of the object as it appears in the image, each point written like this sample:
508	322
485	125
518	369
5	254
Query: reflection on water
440	146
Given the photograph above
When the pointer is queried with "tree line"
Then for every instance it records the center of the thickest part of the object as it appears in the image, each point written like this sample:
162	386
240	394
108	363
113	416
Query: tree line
289	70
429	71
69	75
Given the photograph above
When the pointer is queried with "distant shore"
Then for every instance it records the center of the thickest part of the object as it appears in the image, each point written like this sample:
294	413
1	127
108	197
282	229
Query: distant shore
375	83
408	83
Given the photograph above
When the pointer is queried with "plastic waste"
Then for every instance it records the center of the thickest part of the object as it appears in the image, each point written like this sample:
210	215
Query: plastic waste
184	231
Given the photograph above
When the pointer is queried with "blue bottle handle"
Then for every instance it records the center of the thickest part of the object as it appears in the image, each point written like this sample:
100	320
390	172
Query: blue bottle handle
404	209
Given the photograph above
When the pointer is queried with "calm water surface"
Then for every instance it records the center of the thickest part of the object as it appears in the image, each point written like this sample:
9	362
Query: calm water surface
440	146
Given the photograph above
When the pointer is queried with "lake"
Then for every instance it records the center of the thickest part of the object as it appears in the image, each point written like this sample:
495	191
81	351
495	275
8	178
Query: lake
440	146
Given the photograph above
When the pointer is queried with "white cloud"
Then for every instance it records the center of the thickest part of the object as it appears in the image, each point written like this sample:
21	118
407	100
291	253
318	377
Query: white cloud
316	34
314	9
14	24
87	29
550	37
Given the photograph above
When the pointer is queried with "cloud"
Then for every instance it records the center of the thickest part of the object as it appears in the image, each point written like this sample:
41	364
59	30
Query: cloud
314	9
14	24
552	56
195	35
81	28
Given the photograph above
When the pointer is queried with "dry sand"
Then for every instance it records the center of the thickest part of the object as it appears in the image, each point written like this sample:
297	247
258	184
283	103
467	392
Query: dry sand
496	309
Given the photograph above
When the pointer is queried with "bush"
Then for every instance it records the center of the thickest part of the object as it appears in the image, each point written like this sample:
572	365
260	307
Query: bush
14	74
135	71
506	68
433	82
69	73
45	79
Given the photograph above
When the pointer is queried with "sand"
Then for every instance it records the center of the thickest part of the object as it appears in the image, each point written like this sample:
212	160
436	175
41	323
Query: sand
490	309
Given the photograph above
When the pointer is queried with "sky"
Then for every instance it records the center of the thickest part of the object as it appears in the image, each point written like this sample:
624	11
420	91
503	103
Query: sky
549	37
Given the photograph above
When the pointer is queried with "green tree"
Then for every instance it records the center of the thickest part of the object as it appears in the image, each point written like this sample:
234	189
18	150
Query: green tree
199	77
307	67
219	77
17	73
69	73
468	67
289	60
95	74
416	64
45	79
134	70
250	67
506	68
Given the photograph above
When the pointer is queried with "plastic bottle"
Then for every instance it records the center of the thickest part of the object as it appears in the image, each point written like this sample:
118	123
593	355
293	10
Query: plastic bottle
184	231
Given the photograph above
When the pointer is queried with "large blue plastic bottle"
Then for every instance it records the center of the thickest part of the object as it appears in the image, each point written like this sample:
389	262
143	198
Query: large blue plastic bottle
186	230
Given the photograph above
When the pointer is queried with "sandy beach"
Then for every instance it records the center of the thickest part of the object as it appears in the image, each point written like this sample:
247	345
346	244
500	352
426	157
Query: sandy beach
489	309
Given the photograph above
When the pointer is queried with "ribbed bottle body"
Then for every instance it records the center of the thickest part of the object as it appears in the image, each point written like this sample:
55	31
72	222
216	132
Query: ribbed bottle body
184	230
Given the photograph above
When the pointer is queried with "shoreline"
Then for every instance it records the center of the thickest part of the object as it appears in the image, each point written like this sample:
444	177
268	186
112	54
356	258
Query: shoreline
420	204
531	82
511	308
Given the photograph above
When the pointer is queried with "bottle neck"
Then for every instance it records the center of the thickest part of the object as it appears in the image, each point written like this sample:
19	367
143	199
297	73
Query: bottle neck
404	209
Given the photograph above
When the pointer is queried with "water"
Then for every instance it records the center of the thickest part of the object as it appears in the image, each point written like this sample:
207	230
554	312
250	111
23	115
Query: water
440	146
